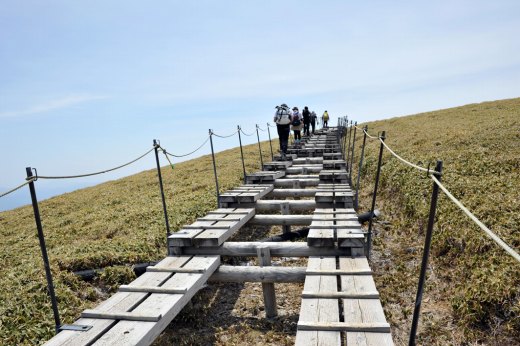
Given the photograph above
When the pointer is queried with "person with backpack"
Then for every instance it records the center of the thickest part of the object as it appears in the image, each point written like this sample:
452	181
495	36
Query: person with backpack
325	119
313	118
296	126
306	121
283	119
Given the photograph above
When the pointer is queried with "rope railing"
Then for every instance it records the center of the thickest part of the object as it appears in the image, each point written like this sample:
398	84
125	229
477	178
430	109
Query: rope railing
368	135
427	170
18	187
459	204
220	136
246	134
94	173
261	129
188	154
492	235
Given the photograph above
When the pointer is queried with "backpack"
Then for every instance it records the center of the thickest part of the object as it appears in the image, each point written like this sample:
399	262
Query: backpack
283	115
296	121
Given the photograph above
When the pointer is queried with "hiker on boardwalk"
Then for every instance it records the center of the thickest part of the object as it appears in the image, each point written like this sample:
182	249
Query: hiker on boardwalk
306	114
313	120
283	118
325	119
296	126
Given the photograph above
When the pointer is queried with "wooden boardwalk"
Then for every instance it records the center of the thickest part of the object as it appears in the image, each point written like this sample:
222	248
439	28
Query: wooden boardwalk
340	303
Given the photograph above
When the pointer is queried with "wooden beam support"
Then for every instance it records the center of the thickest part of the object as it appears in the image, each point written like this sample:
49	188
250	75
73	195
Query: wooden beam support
281	249
259	274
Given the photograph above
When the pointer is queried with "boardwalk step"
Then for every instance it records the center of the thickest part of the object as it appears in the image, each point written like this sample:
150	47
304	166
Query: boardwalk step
212	232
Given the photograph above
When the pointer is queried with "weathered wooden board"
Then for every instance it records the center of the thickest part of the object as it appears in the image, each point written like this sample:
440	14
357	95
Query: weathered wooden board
277	165
320	237
211	232
319	310
362	311
334	175
164	307
264	176
245	194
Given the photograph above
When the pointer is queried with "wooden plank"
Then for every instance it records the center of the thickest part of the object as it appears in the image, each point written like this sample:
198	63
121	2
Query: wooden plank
350	238
126	316
362	311
375	327
320	237
216	237
353	271
152	289
319	310
208	231
234	211
168	305
339	295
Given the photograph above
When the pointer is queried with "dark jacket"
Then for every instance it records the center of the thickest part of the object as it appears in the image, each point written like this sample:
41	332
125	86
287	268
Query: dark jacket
306	116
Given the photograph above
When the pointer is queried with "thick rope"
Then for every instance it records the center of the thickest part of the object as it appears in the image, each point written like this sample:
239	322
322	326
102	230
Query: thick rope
427	170
369	136
95	173
194	151
493	236
231	135
245	134
18	187
261	129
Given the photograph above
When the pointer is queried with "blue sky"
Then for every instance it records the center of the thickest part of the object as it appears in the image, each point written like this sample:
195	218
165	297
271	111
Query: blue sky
87	85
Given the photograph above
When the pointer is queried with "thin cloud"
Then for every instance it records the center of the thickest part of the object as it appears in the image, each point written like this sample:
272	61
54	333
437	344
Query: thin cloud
52	105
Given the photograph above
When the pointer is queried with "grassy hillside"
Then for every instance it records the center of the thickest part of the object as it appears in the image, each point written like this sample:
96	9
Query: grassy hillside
113	225
472	289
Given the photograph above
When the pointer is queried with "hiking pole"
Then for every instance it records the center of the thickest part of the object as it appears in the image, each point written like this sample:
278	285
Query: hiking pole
214	166
270	144
259	149
241	152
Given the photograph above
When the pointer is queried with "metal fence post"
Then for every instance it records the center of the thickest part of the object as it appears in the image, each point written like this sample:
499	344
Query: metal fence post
259	149
348	148
156	146
426	254
356	198
352	156
241	152
270	143
343	153
43	247
214	166
378	173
